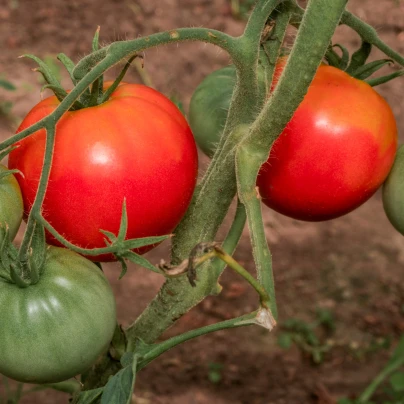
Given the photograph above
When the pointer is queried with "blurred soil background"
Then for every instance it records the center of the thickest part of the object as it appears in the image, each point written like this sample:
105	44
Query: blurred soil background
343	279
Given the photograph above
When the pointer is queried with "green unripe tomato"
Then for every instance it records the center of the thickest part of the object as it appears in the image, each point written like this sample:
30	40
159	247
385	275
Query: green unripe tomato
57	328
393	192
210	104
11	205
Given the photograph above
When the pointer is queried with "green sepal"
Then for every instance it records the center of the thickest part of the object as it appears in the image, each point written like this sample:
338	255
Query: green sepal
95	43
332	57
124	267
344	60
61	94
16	276
384	79
49	77
57	90
97	87
123	226
140	260
95	93
144	241
111	237
117	81
367	70
68	64
359	57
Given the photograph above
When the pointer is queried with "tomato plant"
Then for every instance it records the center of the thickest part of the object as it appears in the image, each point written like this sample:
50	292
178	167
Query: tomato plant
393	192
334	153
57	328
136	146
325	138
11	205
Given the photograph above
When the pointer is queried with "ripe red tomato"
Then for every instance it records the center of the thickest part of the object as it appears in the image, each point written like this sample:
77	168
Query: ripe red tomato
137	146
334	153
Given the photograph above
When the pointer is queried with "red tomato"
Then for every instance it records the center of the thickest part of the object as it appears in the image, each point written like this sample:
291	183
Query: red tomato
137	146
334	153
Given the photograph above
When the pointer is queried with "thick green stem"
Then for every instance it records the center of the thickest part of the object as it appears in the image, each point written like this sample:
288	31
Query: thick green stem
213	196
317	27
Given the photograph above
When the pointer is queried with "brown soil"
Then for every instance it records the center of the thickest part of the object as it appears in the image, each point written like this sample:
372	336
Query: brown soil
351	266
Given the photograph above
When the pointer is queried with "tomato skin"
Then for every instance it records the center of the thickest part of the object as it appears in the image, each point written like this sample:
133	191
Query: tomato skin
57	328
334	153
11	204
212	96
137	146
393	192
210	103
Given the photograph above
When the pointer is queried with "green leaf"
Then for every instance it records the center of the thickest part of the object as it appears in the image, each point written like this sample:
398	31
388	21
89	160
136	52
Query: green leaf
49	76
7	85
111	236
95	44
123	227
343	63
384	79
359	57
285	340
123	266
119	389
89	396
367	70
68	64
118	80
141	242
332	57
397	381
138	259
